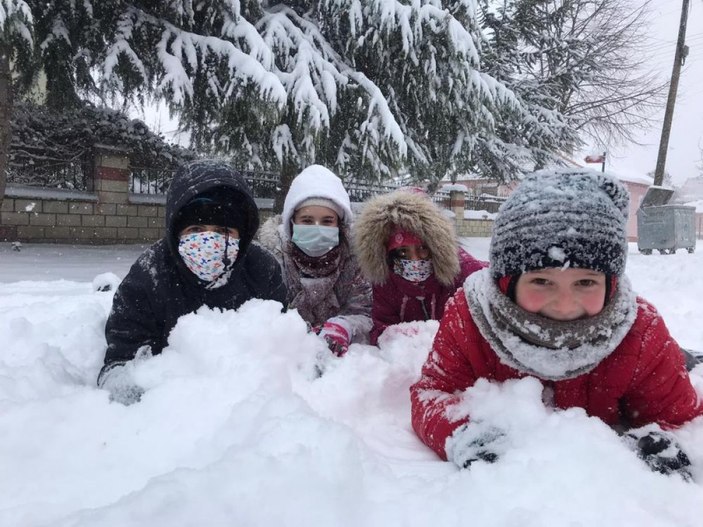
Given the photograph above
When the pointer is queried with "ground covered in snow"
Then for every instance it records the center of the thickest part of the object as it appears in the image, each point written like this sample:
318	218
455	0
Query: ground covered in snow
235	429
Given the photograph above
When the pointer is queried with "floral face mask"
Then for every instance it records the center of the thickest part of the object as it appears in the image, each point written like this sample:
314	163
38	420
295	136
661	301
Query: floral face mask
413	270
204	255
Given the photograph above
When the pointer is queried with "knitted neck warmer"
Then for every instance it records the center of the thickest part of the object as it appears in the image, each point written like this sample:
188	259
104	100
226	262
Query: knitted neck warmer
311	282
316	267
549	349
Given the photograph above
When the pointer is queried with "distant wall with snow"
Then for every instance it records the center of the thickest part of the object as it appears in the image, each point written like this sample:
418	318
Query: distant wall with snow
110	214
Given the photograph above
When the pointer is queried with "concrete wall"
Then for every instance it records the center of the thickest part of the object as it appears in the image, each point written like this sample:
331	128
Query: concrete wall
468	227
76	218
109	215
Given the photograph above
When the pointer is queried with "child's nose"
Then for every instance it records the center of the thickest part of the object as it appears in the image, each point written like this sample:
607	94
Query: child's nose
566	306
414	254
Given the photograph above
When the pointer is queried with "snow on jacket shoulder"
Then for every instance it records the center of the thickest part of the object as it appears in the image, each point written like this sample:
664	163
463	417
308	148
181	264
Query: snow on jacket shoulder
643	381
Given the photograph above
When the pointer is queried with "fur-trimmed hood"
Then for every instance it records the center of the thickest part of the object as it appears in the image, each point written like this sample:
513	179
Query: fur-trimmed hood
272	236
412	212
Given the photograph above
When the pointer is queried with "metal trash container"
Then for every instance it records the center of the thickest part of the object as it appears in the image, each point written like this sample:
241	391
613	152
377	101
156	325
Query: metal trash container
665	228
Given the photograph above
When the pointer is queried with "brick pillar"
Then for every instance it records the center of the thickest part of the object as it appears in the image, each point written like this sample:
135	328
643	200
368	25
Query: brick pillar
111	175
456	204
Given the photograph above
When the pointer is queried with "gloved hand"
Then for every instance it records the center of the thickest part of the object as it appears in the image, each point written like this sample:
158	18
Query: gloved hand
399	329
119	382
476	441
660	451
337	334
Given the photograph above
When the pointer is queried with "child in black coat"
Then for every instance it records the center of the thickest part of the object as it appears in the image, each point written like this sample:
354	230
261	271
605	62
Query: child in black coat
205	258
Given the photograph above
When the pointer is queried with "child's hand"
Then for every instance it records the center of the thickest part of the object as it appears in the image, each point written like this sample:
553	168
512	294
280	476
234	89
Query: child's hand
118	381
336	332
660	451
476	441
400	329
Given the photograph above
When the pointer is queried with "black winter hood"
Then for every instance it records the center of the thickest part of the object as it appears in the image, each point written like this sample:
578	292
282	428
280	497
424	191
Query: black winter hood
198	177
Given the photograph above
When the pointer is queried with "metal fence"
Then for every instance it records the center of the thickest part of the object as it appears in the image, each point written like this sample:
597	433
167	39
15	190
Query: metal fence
150	180
77	175
146	180
359	192
262	184
485	202
72	175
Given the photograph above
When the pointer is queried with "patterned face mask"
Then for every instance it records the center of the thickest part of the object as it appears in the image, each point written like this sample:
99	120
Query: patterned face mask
413	270
204	255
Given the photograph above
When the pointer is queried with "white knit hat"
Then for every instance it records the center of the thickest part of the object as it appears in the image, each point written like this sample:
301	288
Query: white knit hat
321	202
317	182
563	218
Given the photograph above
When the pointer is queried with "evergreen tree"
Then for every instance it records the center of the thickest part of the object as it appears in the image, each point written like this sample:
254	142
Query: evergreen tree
15	47
369	88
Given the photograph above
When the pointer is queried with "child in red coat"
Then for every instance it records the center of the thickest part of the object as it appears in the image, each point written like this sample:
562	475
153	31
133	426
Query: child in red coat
555	305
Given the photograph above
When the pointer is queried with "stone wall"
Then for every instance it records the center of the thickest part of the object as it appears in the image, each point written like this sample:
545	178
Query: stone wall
468	227
109	215
73	217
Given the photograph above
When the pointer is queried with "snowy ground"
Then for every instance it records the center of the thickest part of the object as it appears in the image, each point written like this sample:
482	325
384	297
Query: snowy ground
234	429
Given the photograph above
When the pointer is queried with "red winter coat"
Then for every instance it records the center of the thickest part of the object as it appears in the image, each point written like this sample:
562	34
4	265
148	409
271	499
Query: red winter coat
642	381
399	300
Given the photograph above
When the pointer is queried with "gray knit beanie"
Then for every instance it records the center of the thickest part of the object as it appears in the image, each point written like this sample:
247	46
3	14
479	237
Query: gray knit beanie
564	218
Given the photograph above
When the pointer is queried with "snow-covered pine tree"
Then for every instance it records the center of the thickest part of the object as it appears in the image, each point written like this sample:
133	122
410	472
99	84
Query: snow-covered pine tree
541	132
425	57
15	48
368	88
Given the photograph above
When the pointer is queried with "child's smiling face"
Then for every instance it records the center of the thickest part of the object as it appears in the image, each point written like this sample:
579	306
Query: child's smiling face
561	294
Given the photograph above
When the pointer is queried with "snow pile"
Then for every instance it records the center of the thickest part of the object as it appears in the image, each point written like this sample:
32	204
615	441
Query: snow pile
236	429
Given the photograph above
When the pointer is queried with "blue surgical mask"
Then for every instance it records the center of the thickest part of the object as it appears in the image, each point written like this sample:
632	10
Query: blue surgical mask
315	240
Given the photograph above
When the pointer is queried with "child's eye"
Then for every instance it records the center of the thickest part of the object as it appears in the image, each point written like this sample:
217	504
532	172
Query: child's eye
540	281
586	282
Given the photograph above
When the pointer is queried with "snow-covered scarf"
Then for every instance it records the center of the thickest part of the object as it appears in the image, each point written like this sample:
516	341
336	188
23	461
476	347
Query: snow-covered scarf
311	282
549	349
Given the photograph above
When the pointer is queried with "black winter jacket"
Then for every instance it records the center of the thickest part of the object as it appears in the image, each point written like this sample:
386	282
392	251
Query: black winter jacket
159	288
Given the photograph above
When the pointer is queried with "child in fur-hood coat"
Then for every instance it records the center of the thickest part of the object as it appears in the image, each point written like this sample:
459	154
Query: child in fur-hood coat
408	287
311	241
556	305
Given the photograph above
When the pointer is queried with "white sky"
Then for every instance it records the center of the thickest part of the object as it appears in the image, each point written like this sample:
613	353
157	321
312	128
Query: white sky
686	141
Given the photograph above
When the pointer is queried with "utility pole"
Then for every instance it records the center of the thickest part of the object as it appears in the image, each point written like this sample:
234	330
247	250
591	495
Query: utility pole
673	88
